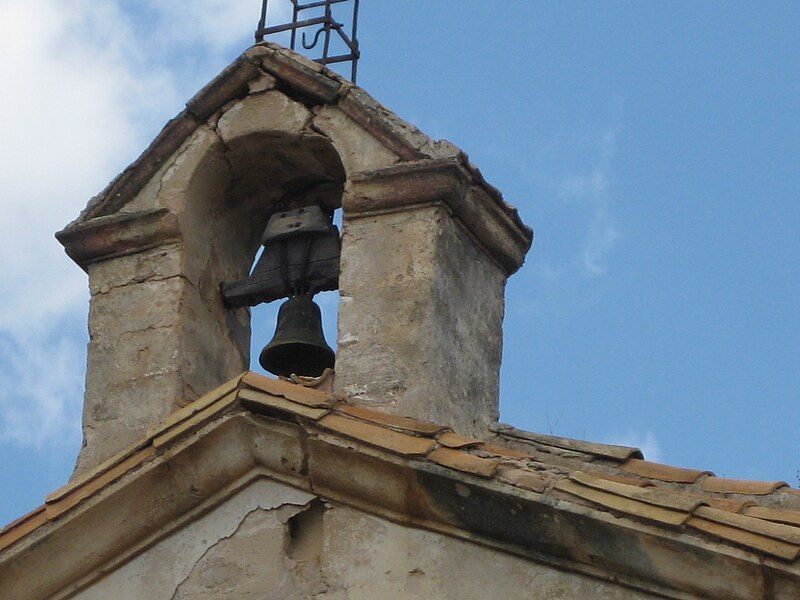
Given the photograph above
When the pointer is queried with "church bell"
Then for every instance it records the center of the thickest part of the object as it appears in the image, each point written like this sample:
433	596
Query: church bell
300	258
298	346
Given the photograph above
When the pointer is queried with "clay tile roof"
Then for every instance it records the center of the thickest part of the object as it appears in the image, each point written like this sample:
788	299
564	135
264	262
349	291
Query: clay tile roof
652	470
740	486
761	517
591	448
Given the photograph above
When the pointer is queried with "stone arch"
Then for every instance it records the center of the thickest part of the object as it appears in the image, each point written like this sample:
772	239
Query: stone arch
261	150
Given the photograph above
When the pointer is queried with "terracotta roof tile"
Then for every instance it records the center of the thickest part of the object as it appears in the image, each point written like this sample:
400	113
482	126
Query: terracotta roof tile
621	478
23	526
104	466
504	452
375	435
604	450
650	495
754	541
527	480
462	461
54	509
633	489
652	470
395	421
622	504
778	531
741	486
195	406
194	421
789	517
290	391
453	440
728	504
257	401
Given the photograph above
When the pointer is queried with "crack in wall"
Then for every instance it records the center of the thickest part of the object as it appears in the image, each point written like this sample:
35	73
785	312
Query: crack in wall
299	530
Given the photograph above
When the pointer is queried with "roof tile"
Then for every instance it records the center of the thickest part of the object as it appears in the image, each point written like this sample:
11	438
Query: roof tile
722	485
22	527
196	406
621	504
789	517
504	452
453	440
778	531
652	470
745	538
104	466
290	391
401	443
604	450
649	495
527	480
395	421
55	509
621	478
733	506
195	421
255	400
462	461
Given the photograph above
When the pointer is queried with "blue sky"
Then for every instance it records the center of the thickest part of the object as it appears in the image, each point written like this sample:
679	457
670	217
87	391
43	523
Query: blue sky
653	148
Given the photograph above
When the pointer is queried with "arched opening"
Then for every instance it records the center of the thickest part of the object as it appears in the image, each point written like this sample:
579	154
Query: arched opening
271	172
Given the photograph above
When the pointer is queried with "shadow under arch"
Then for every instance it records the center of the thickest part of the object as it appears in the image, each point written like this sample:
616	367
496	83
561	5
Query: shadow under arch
232	193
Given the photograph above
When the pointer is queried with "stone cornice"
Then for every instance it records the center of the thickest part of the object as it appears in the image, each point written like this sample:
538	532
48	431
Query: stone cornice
118	235
448	181
199	470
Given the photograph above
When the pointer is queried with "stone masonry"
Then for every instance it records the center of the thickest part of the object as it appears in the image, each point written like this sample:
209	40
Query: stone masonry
427	247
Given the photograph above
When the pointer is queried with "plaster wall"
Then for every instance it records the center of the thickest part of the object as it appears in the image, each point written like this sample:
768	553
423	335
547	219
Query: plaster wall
273	542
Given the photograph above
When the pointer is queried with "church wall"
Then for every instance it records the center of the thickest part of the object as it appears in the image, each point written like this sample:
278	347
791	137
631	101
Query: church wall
274	542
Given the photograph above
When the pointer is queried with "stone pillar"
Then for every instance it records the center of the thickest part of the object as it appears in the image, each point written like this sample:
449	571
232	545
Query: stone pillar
147	321
426	252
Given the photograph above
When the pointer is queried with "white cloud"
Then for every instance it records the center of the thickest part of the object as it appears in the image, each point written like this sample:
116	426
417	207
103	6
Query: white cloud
42	384
72	91
592	189
82	87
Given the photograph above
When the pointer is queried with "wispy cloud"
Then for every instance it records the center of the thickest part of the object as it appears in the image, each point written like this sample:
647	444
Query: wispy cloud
645	441
592	189
85	83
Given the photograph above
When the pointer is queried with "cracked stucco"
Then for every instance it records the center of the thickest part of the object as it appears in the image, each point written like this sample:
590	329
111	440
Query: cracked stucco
159	572
273	542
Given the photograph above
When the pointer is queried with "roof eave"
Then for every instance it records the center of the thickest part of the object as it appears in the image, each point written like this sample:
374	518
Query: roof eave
214	451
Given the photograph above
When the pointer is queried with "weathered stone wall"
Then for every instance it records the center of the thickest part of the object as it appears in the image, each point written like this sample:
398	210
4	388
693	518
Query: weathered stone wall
273	542
159	332
423	273
420	319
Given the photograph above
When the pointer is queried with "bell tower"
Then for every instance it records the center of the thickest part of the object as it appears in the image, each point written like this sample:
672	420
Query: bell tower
261	157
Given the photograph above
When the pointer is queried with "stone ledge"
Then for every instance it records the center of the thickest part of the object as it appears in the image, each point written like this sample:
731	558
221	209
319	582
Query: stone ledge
495	225
118	235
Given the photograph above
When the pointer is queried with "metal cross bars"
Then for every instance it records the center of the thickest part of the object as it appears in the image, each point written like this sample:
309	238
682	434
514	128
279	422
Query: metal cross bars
326	27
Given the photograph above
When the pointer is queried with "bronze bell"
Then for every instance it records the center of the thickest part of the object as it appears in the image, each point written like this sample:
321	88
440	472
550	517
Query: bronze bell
298	346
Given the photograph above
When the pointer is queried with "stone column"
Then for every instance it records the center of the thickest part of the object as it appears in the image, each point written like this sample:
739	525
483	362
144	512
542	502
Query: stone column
426	252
